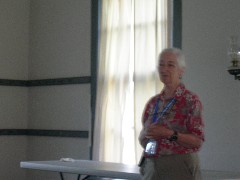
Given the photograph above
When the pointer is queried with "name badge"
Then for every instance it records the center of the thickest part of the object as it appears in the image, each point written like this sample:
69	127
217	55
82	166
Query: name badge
151	147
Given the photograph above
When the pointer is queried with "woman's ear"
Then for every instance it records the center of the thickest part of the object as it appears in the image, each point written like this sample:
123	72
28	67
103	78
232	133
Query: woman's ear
181	72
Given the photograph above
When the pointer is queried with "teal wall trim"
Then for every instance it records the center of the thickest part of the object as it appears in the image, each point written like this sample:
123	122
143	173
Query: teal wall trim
60	81
38	132
46	82
94	59
9	82
177	23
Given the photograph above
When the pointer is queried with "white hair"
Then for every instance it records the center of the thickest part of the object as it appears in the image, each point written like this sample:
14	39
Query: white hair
179	54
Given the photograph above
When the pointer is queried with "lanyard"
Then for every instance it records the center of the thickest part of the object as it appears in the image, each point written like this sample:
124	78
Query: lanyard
155	119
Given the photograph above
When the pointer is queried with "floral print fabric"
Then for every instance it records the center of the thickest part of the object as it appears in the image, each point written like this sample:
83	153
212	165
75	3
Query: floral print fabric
185	116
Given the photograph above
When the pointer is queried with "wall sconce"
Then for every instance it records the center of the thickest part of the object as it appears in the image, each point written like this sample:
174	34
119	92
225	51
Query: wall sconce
234	54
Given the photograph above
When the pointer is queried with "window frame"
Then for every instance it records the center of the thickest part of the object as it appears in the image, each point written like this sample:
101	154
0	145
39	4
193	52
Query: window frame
95	15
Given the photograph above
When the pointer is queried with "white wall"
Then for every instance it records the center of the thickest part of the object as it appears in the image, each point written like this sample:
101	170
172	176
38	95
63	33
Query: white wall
207	26
14	35
43	40
59	38
59	47
14	30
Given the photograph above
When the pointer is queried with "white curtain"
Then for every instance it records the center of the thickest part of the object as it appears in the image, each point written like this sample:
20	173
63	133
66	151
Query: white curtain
132	33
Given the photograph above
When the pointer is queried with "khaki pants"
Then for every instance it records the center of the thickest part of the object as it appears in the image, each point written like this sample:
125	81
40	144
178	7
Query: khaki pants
172	167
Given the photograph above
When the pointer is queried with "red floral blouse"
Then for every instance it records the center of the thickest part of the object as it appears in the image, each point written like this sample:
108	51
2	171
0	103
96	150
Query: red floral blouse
185	116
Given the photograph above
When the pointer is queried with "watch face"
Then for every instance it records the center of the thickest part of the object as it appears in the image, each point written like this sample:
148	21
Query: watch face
174	138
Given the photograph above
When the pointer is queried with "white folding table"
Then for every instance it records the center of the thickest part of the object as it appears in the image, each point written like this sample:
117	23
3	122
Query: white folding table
86	167
110	170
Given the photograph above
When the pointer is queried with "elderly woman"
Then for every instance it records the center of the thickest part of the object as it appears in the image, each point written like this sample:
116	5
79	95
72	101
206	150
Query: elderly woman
172	132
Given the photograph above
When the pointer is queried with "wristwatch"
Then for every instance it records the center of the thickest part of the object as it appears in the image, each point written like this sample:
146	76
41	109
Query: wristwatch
174	137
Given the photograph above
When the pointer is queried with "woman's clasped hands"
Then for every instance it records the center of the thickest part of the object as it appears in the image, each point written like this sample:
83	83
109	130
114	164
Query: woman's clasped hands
156	131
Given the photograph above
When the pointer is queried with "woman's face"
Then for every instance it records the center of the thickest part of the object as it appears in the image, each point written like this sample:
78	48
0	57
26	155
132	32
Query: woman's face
169	70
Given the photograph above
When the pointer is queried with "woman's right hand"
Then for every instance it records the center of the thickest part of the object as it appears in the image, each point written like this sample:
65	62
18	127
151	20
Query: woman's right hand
142	137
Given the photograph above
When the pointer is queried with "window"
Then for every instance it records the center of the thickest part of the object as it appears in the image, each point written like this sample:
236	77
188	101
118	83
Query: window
132	33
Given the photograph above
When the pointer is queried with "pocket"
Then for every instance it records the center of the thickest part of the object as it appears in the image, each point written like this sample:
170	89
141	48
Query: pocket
191	164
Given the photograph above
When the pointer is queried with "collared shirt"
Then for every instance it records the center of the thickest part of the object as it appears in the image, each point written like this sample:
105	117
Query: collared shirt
185	116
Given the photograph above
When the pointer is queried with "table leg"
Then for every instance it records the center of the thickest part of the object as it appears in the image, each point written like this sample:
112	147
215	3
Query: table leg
61	175
78	178
85	178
